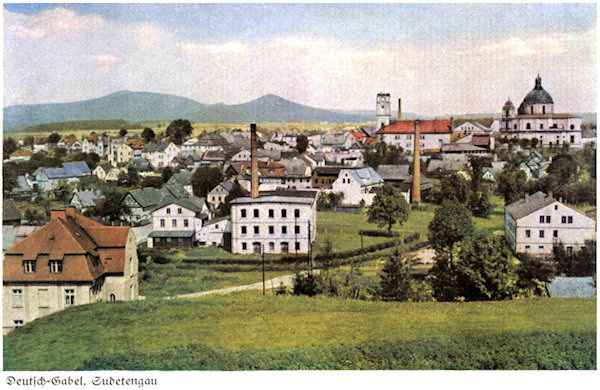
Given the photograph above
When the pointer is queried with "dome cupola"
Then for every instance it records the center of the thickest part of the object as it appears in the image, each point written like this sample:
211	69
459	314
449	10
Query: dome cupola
537	101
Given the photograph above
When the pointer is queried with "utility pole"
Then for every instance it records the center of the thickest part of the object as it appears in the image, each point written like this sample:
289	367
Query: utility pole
309	250
362	245
263	266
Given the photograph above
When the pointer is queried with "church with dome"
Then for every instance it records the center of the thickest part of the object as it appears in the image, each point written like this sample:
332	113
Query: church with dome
535	118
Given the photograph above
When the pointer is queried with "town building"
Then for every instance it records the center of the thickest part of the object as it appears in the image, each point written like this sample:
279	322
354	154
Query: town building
433	134
536	119
324	176
84	201
160	155
358	186
217	195
216	232
71	260
175	223
536	223
383	111
48	178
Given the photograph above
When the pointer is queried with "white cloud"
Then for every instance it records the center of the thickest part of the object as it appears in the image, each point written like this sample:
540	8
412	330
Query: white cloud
105	61
25	32
231	48
552	44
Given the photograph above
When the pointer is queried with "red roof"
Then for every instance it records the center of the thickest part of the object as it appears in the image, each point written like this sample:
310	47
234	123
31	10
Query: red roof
358	135
21	153
436	126
136	143
87	249
370	140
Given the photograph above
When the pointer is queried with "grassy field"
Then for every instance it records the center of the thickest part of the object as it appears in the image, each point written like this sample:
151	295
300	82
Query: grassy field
249	321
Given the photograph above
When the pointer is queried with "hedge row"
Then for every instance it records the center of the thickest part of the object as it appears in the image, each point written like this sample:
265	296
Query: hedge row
510	351
378	233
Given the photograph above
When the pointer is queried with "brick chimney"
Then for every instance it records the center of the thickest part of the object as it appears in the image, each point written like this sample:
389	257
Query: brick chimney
399	109
416	185
254	160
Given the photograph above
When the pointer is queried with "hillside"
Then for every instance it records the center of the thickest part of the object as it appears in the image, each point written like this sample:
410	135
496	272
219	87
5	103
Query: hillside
146	106
249	323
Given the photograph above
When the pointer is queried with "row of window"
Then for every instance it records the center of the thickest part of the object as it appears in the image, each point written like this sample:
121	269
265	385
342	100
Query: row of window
564	218
256	213
541	233
271	229
55	266
178	210
541	249
284	247
174	223
17	297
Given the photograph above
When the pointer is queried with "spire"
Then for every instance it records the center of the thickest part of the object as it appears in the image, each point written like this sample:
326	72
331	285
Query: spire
538	82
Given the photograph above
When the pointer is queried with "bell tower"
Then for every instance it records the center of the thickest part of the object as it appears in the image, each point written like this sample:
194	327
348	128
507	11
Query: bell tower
383	110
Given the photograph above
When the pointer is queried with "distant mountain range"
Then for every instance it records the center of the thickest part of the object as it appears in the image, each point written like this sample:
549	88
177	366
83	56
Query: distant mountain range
147	106
135	107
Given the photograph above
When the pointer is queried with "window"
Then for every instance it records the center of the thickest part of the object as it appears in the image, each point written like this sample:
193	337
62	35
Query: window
555	207
174	222
284	230
168	239
55	266
569	250
285	248
569	219
541	219
541	126
555	233
271	246
18	323
297	229
297	246
180	239
256	247
256	230
528	126
255	213
243	213
29	266
572	128
541	248
528	233
112	297
179	210
547	219
271	213
297	213
543	109
168	210
186	223
563	219
541	234
162	223
572	138
244	247
69	296
526	248
243	229
17	297
283	213
271	229
43	297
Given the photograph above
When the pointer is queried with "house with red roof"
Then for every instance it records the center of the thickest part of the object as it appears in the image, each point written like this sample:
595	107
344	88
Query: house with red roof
434	133
71	260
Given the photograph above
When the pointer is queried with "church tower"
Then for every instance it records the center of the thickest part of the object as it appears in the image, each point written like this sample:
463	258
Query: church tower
383	110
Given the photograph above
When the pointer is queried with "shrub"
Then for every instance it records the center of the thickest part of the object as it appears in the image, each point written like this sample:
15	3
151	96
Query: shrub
309	284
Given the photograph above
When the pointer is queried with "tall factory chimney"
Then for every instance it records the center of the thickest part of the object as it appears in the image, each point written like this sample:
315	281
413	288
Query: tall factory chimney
399	109
416	185
254	160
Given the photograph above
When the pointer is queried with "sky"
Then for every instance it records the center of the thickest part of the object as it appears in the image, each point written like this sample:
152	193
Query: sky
439	58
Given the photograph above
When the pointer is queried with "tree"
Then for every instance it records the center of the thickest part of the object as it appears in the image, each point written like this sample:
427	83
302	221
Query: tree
388	207
91	159
301	143
205	179
53	138
396	280
329	200
533	272
382	153
148	134
166	174
133	177
35	217
9	146
326	255
581	263
62	191
179	130
512	183
28	141
152	181
451	223
122	132
309	284
454	187
111	207
562	170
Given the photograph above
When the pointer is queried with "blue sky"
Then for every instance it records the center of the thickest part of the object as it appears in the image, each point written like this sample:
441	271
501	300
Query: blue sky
439	58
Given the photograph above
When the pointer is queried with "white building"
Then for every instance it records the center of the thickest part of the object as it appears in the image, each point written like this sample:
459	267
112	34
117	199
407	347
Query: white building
274	223
534	224
433	134
160	155
536	119
214	232
175	224
383	111
357	185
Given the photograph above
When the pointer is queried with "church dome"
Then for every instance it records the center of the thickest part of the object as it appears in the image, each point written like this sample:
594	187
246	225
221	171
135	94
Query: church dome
508	105
538	95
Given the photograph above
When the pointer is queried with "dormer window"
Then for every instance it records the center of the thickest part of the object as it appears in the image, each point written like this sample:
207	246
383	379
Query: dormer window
56	266
29	266
168	211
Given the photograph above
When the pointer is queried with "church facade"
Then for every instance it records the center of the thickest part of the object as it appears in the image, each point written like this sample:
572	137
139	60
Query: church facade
535	119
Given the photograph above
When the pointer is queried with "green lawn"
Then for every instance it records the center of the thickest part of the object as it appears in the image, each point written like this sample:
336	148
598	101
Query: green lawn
249	321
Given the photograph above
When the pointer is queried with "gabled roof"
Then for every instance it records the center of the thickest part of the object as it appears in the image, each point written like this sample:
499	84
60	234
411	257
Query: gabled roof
185	203
136	143
436	126
106	167
76	168
294	167
328	171
393	172
10	212
364	176
523	207
87	198
571	287
146	197
461	148
226	185
21	153
183	178
174	190
87	248
153	147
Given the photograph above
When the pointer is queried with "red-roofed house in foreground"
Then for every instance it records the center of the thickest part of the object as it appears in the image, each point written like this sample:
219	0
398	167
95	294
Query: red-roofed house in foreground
71	260
434	133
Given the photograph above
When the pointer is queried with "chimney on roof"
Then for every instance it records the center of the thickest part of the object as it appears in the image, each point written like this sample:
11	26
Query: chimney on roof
70	211
416	185
549	194
254	160
56	214
399	109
